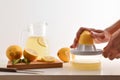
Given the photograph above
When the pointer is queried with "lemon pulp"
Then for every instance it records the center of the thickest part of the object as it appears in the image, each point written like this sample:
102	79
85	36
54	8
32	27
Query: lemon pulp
64	54
30	54
48	59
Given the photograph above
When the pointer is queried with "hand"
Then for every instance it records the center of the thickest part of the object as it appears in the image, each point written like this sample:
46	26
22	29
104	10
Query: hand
99	36
112	50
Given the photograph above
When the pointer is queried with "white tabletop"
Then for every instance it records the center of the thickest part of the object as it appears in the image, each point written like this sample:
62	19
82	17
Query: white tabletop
108	68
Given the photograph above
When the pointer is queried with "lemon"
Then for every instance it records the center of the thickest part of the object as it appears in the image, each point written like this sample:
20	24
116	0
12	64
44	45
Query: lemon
86	38
41	41
64	54
48	59
30	54
14	52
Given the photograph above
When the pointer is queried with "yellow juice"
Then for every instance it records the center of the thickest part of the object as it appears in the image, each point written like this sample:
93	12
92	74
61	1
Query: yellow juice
38	43
86	65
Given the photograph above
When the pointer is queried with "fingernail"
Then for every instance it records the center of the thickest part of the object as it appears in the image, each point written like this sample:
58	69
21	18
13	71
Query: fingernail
111	58
104	54
72	46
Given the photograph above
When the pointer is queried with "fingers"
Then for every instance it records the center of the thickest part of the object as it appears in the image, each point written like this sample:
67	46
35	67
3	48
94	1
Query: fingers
80	31
75	43
106	52
118	56
91	30
111	56
111	53
99	37
97	31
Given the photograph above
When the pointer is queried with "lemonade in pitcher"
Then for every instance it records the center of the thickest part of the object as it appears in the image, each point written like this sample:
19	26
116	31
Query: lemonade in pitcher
38	43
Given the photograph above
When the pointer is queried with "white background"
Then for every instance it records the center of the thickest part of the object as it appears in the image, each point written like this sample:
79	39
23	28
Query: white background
64	18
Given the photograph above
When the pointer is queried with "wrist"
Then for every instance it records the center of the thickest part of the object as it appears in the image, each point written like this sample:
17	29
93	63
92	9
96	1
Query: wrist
112	29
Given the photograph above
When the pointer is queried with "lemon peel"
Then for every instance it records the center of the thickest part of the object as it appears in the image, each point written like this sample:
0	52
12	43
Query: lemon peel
64	54
86	38
30	54
14	52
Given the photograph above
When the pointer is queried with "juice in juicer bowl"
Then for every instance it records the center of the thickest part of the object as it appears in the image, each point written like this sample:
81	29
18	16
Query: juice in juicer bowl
86	57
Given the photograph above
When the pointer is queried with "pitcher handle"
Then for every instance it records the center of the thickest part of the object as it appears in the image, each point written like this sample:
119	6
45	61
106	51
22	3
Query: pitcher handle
29	31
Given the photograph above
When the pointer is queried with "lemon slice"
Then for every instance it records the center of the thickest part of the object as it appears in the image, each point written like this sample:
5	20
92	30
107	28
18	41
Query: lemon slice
48	59
41	41
30	54
86	38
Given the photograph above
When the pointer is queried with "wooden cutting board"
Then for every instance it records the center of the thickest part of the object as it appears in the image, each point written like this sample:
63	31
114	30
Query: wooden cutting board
36	65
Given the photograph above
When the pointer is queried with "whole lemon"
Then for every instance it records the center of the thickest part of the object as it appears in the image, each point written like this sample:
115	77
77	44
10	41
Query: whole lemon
14	52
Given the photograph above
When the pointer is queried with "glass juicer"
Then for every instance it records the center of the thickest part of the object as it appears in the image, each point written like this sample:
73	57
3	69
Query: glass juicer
86	56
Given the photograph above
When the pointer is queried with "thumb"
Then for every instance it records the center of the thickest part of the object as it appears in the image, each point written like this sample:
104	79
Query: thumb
98	37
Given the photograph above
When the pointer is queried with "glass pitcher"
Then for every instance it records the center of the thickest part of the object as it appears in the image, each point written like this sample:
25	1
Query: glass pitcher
36	39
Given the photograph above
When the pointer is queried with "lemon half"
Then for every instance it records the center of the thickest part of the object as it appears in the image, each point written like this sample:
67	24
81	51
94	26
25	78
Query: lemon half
86	38
64	54
30	54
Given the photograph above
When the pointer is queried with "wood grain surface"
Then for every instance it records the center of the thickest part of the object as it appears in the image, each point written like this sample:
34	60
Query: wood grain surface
36	65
